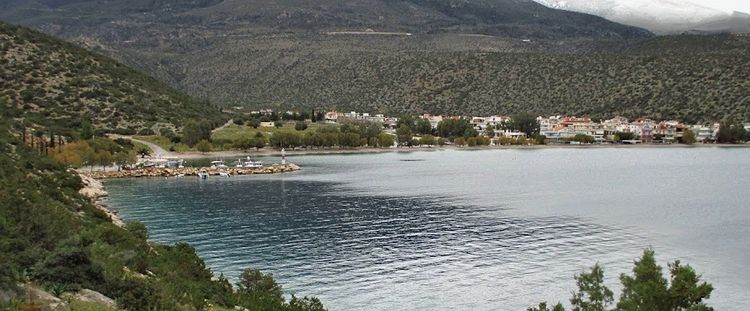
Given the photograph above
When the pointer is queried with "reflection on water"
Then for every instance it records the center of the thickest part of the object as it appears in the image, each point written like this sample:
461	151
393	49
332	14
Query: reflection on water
455	230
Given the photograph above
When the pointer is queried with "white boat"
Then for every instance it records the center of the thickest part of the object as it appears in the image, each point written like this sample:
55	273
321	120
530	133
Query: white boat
249	163
203	175
218	164
225	175
180	175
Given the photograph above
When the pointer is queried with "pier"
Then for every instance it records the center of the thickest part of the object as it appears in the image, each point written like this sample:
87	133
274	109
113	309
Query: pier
193	171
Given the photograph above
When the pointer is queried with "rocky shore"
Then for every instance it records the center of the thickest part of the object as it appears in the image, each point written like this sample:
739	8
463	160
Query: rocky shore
191	171
94	190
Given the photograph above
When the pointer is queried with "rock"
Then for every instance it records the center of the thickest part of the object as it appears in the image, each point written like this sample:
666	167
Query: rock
87	295
92	188
47	301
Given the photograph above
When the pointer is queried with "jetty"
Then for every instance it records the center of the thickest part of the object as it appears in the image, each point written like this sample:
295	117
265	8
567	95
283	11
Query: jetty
192	171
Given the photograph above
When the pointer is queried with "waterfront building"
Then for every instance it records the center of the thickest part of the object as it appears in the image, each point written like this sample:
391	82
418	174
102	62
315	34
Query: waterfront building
331	117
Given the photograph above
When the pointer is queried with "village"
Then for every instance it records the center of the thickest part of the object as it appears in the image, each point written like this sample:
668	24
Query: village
554	129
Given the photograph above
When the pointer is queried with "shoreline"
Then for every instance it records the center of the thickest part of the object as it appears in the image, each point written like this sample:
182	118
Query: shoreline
302	152
93	187
95	191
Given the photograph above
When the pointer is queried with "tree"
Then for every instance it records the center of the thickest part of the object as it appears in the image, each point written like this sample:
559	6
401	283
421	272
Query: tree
254	123
300	126
87	130
194	132
428	140
646	289
259	142
73	154
385	140
243	143
688	137
584	139
489	132
620	136
124	158
203	146
592	295
470	132
278	124
731	133
686	291
452	127
526	123
406	120
441	141
543	307
283	139
404	135
239	120
103	158
144	151
423	126
70	264
254	282
540	139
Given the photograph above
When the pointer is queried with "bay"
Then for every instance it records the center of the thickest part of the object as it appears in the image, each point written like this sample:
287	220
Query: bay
461	230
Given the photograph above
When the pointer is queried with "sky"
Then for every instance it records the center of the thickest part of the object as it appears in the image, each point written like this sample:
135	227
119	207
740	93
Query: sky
726	5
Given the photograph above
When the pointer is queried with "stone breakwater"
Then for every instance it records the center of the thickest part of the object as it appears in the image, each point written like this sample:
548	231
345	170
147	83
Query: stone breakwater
193	171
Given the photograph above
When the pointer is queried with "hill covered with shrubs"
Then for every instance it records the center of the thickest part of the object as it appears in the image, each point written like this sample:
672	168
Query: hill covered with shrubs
55	84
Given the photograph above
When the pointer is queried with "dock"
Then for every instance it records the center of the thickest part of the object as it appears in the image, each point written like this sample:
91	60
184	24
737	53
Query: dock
193	171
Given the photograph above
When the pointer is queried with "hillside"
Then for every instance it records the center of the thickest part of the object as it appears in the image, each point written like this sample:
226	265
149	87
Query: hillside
54	238
693	78
440	56
515	18
56	83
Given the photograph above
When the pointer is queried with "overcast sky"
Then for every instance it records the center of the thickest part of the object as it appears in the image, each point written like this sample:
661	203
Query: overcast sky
726	5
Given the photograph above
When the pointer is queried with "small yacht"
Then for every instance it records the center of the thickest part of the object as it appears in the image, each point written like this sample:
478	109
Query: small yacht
249	163
224	174
218	164
203	175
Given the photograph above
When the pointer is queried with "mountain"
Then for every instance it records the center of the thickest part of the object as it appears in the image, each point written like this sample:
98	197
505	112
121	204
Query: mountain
55	84
661	16
515	18
438	56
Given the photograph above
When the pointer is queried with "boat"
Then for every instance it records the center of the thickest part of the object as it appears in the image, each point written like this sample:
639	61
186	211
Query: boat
249	163
203	175
180	175
218	164
224	174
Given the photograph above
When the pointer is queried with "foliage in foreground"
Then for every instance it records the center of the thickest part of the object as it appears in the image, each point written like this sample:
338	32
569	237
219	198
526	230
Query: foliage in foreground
645	289
61	241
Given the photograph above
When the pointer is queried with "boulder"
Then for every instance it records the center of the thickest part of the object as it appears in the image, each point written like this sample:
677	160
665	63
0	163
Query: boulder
87	295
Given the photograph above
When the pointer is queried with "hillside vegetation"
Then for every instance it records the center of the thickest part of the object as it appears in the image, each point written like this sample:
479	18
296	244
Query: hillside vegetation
54	238
55	84
462	57
497	17
656	78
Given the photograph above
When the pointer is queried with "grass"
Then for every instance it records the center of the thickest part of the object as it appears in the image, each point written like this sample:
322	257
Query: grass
230	133
77	305
234	131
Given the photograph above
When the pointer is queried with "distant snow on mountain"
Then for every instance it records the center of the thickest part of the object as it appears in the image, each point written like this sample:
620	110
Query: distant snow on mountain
660	16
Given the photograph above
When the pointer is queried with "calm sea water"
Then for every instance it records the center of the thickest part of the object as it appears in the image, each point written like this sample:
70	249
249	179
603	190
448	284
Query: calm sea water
462	230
